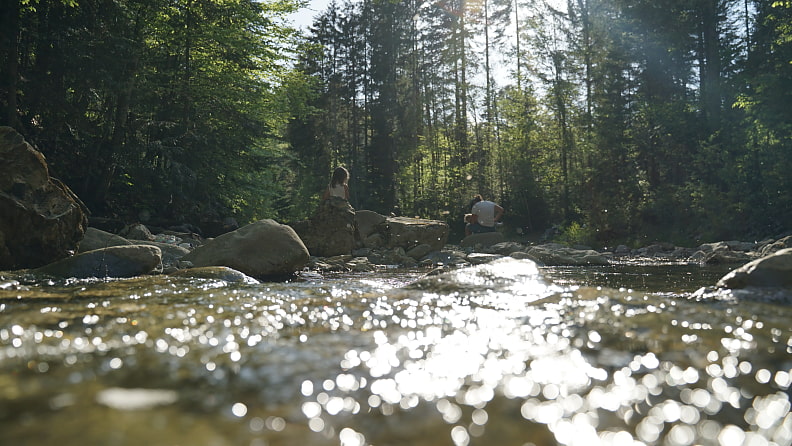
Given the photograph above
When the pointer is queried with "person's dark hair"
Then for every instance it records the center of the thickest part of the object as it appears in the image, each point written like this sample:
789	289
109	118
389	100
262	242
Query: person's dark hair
476	199
340	176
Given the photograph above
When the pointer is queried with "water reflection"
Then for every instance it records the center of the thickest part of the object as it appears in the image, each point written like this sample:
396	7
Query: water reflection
498	354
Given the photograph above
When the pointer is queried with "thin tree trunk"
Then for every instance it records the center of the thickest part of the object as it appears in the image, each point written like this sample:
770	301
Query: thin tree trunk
711	63
9	54
517	43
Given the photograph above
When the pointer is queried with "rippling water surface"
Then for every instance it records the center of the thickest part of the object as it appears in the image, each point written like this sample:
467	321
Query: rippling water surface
498	354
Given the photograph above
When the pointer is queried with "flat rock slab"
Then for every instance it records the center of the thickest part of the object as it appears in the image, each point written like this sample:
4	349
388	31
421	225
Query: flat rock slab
407	233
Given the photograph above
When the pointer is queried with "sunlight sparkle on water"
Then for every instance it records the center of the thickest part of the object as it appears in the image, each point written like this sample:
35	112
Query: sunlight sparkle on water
469	351
493	349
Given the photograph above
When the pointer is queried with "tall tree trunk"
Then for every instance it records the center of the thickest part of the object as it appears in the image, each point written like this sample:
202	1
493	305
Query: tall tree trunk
585	28
484	147
747	14
187	79
9	57
711	64
460	89
487	68
517	28
384	109
566	133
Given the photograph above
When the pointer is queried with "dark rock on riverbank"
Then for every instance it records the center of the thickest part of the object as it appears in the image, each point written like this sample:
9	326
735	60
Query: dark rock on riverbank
41	219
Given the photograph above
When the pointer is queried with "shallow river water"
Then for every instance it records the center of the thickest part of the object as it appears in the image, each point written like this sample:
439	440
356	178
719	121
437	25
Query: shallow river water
497	354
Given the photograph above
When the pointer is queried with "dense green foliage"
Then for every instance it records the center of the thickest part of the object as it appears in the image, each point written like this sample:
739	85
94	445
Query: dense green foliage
153	107
617	120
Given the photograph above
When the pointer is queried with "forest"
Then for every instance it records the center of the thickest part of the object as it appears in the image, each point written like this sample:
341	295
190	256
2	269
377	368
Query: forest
609	121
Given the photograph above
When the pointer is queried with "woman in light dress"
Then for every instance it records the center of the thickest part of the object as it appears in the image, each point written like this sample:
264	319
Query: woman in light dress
338	186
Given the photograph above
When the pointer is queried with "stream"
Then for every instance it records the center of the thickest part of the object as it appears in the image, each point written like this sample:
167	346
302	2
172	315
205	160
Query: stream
505	353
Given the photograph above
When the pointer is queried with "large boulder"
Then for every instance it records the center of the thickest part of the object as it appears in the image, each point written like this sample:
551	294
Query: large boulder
774	270
41	219
261	249
114	261
407	233
330	231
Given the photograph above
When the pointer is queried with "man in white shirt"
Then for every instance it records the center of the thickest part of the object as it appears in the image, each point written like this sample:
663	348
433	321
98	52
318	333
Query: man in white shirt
483	216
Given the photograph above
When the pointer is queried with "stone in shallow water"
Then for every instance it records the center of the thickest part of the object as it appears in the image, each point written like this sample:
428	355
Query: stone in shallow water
136	399
215	273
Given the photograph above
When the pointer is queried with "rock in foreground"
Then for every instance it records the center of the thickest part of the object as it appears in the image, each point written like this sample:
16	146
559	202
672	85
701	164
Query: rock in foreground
774	270
115	261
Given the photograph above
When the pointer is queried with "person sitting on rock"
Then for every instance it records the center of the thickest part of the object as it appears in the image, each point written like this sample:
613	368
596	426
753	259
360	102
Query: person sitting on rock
338	186
484	215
